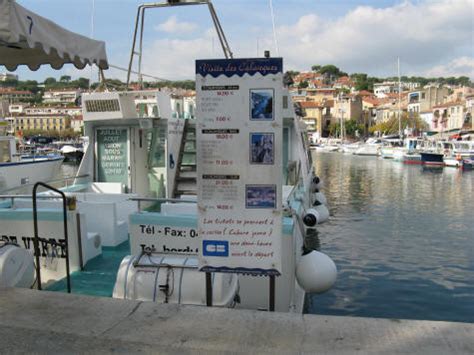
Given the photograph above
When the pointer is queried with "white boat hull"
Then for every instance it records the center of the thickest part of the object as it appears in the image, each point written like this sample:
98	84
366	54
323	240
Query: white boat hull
20	173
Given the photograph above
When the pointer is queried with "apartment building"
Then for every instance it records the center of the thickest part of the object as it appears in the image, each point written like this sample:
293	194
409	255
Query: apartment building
449	116
62	97
13	95
42	122
8	76
318	116
348	107
424	100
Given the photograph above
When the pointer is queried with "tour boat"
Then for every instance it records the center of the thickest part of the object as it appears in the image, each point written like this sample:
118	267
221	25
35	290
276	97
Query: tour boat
166	209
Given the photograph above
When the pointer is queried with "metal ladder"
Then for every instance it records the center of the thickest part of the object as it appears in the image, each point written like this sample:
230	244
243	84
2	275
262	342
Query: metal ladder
186	175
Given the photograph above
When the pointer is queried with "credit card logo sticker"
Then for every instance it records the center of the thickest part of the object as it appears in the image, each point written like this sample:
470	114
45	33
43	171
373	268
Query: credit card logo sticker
215	248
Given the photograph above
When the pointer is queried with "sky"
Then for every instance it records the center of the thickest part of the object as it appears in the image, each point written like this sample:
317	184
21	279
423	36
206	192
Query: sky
432	38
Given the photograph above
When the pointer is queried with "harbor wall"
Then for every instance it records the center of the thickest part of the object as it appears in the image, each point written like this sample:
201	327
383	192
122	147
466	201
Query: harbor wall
49	322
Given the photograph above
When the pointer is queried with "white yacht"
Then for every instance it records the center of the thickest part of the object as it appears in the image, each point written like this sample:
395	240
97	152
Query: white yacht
371	147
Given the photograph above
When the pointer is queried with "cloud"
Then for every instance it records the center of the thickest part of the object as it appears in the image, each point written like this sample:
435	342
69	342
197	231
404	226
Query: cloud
174	58
370	39
463	66
429	37
172	25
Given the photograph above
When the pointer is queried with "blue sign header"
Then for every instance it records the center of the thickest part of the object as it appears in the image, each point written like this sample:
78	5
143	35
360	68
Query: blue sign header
230	67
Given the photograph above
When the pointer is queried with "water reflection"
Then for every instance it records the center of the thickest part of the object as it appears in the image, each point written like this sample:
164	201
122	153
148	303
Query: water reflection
401	236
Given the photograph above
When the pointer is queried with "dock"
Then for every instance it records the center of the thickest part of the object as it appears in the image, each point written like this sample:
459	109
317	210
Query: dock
51	322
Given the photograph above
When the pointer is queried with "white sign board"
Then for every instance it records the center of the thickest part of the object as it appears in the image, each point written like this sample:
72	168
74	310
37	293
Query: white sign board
164	239
239	150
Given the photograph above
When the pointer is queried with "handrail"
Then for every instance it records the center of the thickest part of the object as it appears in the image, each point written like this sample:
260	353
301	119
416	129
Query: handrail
49	181
159	199
37	239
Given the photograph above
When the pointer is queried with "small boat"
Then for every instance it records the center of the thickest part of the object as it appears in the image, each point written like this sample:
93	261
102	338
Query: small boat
468	164
453	161
72	153
432	158
370	148
17	169
390	147
411	158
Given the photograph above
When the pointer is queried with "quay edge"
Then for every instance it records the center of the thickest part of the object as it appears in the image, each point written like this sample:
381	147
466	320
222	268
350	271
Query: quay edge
49	322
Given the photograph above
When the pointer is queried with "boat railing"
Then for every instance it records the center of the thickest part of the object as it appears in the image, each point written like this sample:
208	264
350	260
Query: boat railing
139	200
37	239
65	184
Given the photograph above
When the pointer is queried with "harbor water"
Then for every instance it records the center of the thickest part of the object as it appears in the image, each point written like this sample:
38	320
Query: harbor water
402	237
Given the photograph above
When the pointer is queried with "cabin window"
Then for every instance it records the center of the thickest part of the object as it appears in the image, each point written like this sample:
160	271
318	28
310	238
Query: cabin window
156	143
285	101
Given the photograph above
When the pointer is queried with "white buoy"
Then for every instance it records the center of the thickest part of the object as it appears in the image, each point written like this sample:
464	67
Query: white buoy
319	196
315	215
316	272
316	184
17	268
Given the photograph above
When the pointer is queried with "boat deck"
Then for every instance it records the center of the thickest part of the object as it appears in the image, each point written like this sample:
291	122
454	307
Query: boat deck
51	322
99	274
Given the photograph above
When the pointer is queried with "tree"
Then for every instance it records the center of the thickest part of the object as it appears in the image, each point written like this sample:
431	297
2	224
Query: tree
331	70
315	68
49	81
81	83
391	126
303	85
65	79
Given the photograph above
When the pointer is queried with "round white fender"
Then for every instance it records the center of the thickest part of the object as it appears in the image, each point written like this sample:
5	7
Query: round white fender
315	215
319	196
17	268
316	184
316	272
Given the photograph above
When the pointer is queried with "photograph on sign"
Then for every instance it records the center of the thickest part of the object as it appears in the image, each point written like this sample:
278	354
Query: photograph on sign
262	148
260	196
261	104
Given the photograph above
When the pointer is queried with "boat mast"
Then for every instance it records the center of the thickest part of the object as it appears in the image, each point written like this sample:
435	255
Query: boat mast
399	101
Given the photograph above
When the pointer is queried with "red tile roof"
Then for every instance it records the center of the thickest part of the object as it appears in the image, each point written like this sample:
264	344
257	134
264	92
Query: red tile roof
310	104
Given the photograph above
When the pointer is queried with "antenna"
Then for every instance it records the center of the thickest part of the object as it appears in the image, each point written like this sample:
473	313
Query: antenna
92	36
274	31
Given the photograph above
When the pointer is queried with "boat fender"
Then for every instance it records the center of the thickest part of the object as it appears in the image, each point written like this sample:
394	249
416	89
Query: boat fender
316	215
316	272
311	217
316	184
172	164
319	196
16	266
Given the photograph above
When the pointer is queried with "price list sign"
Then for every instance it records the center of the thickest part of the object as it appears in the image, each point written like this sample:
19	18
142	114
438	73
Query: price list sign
239	152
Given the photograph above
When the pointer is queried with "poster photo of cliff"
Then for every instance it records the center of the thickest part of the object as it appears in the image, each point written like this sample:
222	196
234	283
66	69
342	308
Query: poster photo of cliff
261	104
